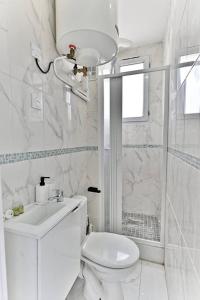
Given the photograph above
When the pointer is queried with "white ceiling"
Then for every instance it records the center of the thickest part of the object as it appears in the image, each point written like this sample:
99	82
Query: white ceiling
143	21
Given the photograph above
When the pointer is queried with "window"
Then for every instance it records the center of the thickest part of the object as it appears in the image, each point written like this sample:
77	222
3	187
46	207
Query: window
191	86
134	91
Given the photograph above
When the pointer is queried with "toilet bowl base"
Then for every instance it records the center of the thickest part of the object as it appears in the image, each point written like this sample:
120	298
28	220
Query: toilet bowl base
112	290
96	289
92	286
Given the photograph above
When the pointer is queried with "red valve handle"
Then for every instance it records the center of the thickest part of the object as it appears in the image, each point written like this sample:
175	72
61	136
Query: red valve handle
72	46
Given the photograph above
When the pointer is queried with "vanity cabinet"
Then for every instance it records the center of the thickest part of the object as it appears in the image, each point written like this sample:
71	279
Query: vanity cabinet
44	267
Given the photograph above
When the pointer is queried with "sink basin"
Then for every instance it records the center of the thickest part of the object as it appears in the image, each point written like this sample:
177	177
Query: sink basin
38	218
37	214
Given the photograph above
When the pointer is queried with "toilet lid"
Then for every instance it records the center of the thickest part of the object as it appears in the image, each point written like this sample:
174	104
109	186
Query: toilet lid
110	250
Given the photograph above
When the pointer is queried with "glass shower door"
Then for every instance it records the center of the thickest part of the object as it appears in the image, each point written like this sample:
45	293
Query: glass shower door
135	160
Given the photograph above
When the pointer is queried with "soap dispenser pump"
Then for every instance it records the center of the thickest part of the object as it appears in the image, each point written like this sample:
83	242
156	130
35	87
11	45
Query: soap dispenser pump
42	191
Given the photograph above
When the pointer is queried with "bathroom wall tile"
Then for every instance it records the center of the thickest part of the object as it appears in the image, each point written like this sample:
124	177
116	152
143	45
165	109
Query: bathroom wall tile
68	172
142	180
92	105
92	115
183	191
5	114
27	133
181	274
24	21
94	199
18	188
183	183
4	61
92	131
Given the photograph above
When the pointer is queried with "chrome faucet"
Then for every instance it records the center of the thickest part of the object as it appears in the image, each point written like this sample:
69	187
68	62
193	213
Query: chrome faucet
59	196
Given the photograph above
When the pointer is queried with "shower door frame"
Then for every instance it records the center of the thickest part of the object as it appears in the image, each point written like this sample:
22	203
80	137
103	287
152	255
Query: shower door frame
116	151
3	277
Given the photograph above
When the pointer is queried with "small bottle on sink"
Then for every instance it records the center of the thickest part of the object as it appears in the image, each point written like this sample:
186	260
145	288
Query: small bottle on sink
42	191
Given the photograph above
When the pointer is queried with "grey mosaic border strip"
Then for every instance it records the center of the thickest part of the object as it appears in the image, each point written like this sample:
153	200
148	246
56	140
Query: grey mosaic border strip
187	158
10	158
142	146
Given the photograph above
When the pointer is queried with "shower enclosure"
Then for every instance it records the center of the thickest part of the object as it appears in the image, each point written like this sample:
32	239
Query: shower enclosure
133	155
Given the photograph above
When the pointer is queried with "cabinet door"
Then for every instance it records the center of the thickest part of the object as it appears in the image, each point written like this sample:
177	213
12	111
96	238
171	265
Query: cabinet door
59	258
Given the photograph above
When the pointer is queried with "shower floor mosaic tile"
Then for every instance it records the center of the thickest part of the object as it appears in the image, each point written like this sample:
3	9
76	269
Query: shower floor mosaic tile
141	226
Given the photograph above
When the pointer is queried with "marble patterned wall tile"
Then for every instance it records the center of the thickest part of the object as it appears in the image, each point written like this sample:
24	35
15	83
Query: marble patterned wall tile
4	61
68	172
183	184
183	192
142	187
92	115
94	199
6	127
182	277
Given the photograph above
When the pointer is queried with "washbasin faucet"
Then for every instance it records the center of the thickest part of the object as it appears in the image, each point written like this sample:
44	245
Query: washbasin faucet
58	196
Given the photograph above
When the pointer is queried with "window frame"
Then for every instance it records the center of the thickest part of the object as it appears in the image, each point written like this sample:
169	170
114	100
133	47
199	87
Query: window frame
133	61
181	87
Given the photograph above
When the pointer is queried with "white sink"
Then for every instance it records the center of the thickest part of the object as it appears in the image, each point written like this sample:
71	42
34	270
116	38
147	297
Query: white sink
37	213
38	219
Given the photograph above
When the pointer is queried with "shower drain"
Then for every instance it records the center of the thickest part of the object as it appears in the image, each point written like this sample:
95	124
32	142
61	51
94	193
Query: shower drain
135	222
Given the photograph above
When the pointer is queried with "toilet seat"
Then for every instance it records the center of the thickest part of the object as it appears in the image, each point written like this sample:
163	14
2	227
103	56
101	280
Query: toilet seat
110	250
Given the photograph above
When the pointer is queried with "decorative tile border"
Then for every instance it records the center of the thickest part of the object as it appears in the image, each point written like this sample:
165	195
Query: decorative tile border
10	158
142	146
187	158
17	157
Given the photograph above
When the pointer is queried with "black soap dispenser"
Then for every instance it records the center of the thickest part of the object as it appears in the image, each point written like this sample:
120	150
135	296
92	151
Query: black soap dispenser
42	191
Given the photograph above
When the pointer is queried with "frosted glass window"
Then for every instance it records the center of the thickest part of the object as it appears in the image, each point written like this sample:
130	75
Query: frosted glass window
192	85
133	92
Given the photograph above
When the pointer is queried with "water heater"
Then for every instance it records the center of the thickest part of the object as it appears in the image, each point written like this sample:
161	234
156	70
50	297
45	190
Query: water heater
90	27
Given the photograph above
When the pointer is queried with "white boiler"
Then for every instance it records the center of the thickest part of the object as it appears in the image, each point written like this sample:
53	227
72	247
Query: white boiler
90	26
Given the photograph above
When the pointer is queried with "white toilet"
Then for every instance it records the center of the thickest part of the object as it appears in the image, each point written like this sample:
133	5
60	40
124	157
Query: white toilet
107	260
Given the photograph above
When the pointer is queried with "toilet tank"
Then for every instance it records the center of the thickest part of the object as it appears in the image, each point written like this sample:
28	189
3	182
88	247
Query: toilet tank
84	216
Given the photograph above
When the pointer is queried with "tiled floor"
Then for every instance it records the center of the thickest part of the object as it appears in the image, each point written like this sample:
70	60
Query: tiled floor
149	284
141	226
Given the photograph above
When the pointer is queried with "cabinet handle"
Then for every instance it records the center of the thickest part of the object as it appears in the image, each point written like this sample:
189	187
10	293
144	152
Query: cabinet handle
75	208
